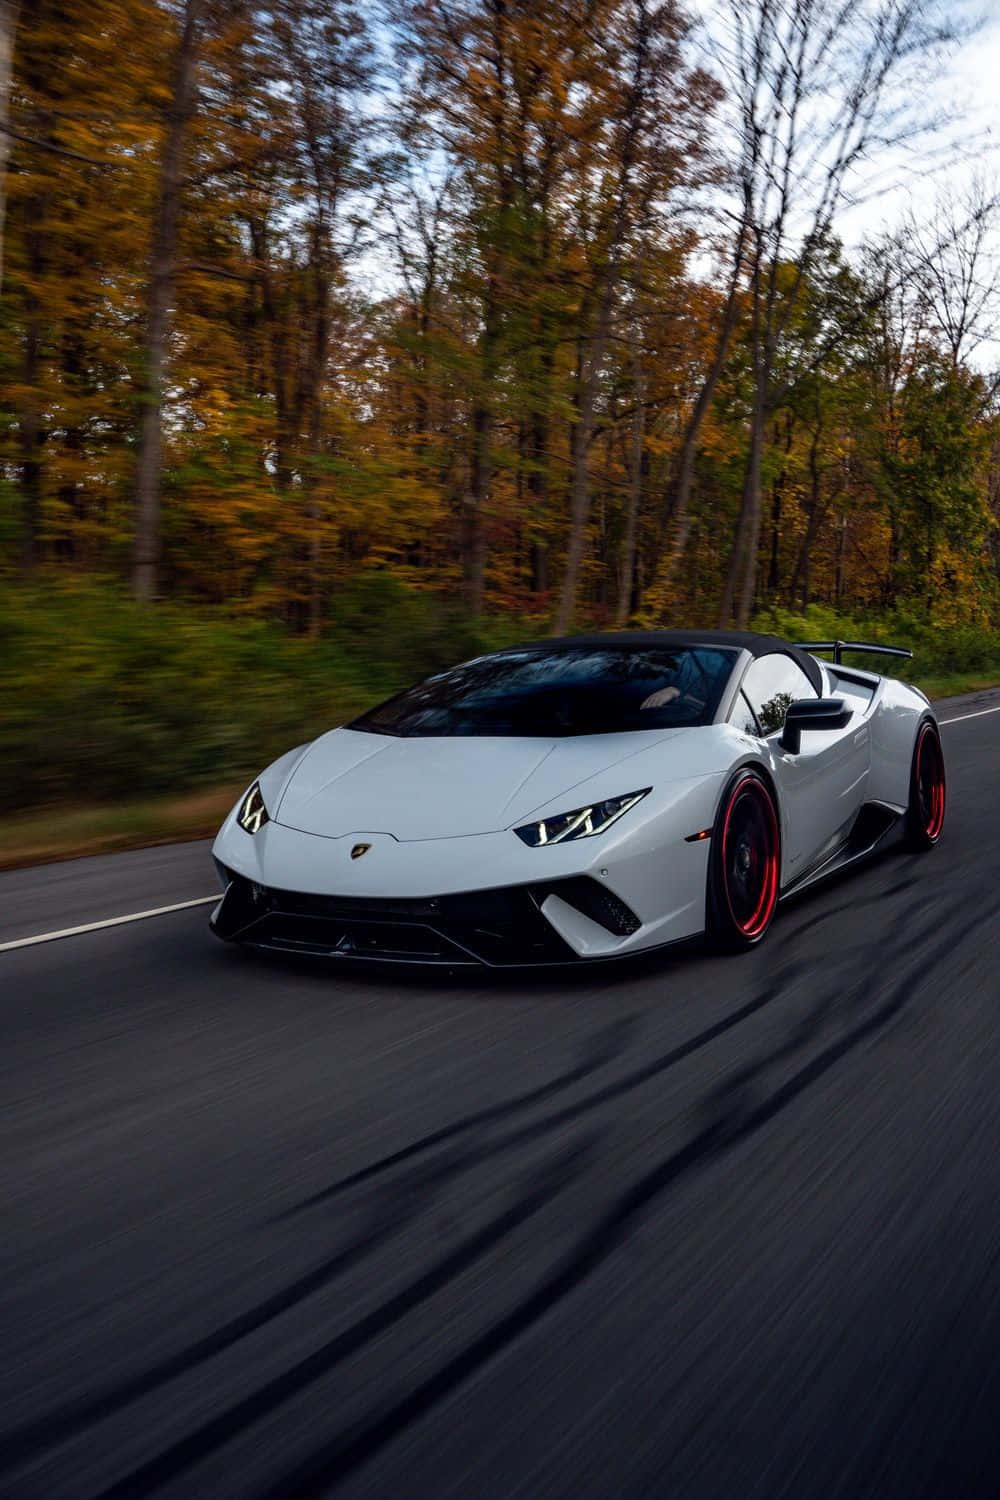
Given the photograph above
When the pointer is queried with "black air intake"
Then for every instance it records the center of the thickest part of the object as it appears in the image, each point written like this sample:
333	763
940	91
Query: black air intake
595	901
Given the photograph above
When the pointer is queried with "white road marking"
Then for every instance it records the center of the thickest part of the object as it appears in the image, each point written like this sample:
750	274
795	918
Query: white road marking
135	916
977	715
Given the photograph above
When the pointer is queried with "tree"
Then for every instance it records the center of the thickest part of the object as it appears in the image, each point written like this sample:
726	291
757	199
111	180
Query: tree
655	110
937	474
180	106
9	10
77	184
784	64
952	255
507	93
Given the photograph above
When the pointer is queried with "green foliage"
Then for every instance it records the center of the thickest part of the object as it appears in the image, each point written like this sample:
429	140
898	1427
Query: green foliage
407	632
965	647
103	698
935	474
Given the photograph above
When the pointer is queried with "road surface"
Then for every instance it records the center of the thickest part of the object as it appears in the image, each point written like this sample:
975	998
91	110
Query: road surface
696	1228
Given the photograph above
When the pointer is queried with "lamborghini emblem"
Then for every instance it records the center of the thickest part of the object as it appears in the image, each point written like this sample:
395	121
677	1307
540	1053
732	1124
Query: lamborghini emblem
359	849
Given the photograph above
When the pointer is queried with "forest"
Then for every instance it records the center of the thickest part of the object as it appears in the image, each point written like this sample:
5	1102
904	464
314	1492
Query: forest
339	340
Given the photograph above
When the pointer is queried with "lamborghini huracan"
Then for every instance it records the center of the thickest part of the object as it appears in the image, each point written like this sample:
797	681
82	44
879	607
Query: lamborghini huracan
584	798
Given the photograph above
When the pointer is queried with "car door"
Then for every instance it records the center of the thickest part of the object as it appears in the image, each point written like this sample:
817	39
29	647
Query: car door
822	787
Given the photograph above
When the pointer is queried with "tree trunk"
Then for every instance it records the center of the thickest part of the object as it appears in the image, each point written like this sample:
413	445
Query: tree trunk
274	319
746	600
777	493
477	495
579	499
741	572
772	572
538	474
579	452
606	289
841	551
627	579
320	344
31	462
145	574
30	415
8	27
802	572
481	466
743	555
678	508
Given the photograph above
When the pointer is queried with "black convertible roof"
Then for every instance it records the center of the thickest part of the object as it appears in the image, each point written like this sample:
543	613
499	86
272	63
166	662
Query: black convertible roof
741	640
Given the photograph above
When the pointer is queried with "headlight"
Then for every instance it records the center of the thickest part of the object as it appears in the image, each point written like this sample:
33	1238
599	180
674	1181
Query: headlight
582	823
252	814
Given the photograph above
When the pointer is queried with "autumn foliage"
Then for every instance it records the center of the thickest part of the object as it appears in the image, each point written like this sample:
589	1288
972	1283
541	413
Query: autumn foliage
482	294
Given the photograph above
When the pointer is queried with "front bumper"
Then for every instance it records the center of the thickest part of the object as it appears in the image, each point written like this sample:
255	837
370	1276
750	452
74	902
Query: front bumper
500	927
483	898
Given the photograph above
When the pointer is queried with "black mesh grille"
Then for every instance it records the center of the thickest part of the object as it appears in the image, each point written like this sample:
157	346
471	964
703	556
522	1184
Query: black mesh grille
599	904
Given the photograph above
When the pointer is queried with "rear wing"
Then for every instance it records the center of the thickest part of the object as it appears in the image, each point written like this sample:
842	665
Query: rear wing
837	647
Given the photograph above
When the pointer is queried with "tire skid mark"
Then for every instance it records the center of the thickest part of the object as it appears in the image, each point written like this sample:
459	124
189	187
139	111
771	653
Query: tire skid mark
794	933
334	1461
542	1185
896	889
615	1090
568	1112
733	1119
535	1129
390	1213
610	1043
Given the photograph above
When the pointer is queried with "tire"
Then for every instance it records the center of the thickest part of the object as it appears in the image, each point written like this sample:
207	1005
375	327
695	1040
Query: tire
925	813
744	868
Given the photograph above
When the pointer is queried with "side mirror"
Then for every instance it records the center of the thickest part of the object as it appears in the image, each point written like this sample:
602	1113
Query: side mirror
812	713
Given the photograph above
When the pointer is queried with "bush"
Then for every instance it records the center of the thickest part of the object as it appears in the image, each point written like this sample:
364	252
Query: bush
409	632
938	650
104	699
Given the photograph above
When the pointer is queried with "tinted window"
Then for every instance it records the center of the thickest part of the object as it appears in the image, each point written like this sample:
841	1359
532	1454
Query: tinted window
588	690
771	683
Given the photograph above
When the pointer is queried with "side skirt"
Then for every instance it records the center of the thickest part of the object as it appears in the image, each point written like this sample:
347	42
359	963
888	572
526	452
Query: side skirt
870	830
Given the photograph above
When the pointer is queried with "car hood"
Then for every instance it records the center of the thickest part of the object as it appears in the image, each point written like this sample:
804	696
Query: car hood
432	788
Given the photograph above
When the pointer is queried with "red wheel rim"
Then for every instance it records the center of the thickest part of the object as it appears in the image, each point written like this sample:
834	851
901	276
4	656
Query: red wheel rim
750	857
930	782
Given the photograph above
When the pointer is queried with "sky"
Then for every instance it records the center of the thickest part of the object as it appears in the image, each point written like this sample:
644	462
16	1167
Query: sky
959	91
970	86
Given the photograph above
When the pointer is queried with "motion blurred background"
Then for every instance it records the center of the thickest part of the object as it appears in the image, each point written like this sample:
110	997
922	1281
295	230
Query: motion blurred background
341	341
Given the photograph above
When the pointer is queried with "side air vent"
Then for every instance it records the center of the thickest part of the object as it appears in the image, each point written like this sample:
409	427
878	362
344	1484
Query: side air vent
596	902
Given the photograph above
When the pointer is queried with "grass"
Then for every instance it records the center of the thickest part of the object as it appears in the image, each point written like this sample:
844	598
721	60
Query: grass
955	684
57	833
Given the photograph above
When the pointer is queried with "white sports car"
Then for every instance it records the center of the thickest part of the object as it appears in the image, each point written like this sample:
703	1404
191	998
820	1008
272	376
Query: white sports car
580	799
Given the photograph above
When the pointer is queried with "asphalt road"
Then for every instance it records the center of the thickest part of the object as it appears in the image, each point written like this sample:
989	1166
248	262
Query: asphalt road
701	1227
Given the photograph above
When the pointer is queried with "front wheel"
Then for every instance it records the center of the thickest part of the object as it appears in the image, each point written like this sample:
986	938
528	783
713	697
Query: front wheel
925	814
745	864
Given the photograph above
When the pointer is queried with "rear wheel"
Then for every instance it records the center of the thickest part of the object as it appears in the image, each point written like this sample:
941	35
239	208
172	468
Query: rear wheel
925	814
745	864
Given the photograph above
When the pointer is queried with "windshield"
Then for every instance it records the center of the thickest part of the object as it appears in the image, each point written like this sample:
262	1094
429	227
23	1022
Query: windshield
584	690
